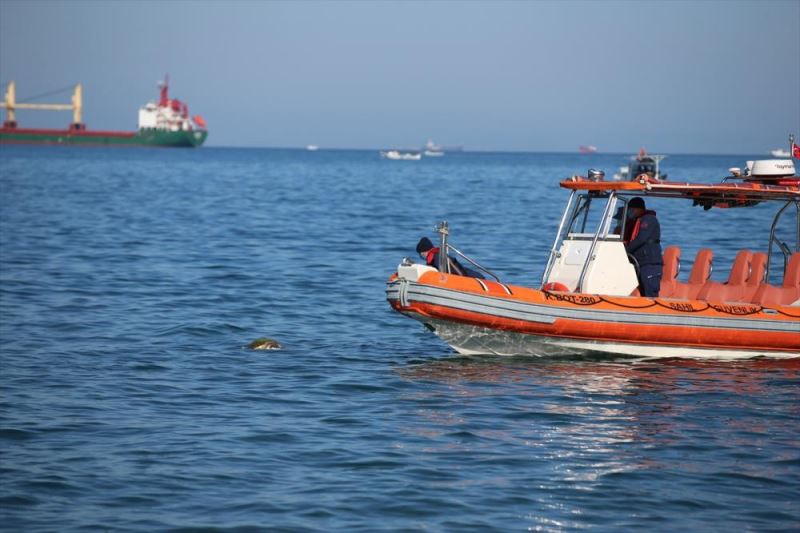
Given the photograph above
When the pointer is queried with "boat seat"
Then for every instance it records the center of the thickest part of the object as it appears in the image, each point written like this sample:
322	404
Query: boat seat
732	290
701	271
786	294
669	276
758	267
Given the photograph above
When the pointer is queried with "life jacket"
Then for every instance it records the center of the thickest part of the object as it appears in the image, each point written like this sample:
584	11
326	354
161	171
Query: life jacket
431	256
635	230
647	252
455	266
629	226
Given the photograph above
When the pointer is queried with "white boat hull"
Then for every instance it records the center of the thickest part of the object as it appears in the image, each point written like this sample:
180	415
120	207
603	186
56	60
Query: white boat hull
475	340
397	156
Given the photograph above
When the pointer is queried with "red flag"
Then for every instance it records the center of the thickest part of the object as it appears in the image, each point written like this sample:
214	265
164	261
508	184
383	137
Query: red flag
795	151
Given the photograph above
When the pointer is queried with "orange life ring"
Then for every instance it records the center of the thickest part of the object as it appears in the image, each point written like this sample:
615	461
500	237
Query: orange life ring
555	286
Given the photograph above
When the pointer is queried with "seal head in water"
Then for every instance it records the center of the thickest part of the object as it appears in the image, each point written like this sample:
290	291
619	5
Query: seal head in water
264	343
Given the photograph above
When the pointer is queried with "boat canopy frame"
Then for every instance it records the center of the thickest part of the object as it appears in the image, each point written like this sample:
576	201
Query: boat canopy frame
723	195
782	246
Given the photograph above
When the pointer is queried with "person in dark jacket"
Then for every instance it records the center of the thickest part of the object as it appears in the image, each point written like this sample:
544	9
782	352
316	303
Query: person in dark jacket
620	223
430	254
645	247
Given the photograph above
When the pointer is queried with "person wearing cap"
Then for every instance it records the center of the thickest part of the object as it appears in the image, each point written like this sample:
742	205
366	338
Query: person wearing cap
430	254
645	246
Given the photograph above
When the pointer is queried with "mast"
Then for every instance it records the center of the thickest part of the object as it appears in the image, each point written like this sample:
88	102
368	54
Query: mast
163	101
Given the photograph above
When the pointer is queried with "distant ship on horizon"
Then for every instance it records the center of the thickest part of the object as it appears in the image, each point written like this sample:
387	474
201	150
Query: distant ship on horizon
588	149
163	123
432	149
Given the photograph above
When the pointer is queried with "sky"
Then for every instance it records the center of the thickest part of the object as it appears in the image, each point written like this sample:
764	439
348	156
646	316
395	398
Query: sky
673	76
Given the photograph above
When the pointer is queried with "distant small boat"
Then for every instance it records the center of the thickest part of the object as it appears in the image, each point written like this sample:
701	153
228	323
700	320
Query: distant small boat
590	149
642	163
780	153
396	155
312	147
433	150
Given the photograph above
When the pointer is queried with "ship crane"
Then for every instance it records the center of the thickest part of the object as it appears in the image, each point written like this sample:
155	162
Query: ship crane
10	104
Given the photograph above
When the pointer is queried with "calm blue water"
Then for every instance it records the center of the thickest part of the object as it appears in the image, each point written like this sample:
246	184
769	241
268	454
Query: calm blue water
131	281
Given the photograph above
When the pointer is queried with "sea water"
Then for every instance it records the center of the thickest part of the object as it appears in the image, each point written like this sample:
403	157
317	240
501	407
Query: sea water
131	281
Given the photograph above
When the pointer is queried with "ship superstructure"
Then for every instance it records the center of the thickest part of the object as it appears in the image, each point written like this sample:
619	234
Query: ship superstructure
168	114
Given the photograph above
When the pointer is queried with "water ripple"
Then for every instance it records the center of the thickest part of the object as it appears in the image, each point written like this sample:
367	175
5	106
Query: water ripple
132	281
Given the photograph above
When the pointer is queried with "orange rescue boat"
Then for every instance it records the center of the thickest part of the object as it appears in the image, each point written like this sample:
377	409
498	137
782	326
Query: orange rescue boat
588	301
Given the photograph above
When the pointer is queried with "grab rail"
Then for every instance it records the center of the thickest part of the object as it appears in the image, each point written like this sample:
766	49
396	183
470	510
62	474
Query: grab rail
473	262
772	238
553	251
443	229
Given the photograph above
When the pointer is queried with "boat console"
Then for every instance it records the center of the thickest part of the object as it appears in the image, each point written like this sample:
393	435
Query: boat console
609	272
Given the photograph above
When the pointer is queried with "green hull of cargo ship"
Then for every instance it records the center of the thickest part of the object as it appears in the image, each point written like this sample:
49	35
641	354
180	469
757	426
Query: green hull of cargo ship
187	139
144	137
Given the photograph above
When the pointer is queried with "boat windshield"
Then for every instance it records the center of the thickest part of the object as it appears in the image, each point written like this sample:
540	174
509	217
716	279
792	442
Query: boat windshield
590	214
587	216
644	167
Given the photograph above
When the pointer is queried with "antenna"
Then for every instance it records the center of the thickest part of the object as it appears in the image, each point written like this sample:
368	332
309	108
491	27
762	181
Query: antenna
163	100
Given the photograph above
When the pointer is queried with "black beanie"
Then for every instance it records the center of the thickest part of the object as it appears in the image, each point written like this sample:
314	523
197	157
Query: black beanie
636	202
424	245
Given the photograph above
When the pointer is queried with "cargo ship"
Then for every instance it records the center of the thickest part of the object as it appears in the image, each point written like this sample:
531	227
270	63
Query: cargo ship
165	123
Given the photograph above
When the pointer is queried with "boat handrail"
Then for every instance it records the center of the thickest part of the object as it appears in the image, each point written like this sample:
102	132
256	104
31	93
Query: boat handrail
582	209
443	229
473	262
553	249
782	246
